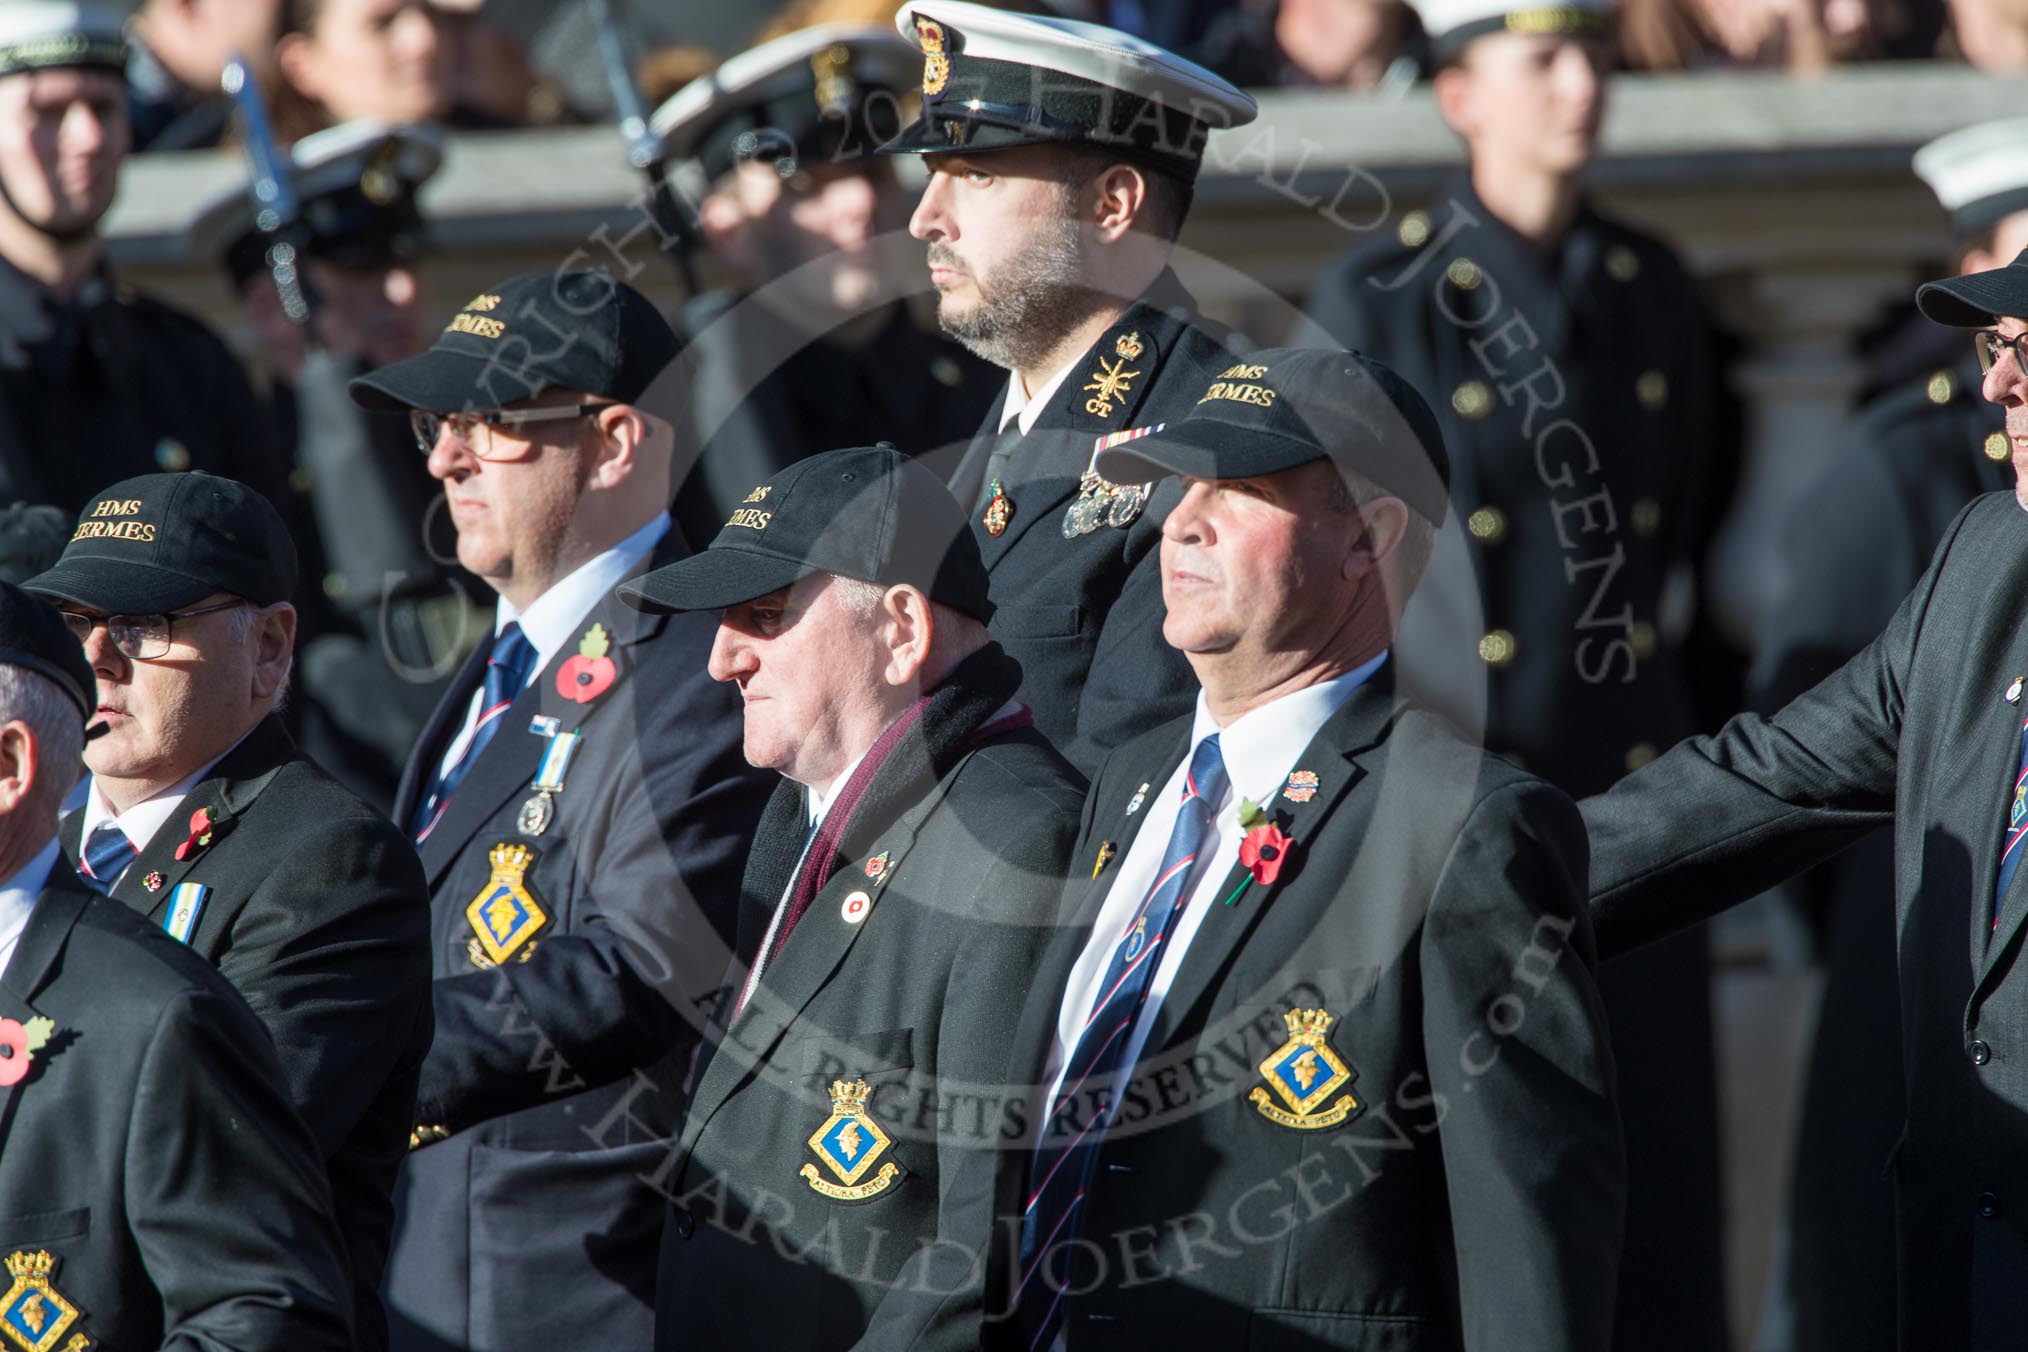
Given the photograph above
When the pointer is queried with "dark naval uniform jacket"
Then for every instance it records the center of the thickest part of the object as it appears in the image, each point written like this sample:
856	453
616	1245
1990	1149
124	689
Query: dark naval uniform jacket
312	905
1921	729
109	384
1469	1195
1082	612
530	1225
761	395
159	1190
833	1185
1575	396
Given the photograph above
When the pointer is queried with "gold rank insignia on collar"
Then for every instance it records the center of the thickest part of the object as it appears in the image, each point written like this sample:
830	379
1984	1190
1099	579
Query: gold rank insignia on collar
34	1316
849	1142
505	915
1304	1072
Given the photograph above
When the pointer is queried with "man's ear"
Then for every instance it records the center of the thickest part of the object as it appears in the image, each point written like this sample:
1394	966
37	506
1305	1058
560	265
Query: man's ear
909	627
1384	524
18	765
723	222
274	636
1118	196
623	432
296	59
1453	89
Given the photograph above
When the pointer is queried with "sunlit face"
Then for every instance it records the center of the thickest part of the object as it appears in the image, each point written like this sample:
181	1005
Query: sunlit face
167	717
2007	385
1005	253
381	59
809	669
513	511
371	313
63	134
1531	100
826	214
1254	569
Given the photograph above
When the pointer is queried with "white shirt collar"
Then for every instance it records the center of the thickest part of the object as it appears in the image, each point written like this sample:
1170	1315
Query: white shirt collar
1260	745
140	822
17	898
550	622
1027	408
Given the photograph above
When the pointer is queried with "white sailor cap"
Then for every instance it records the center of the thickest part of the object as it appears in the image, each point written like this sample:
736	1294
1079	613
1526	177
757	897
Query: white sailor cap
356	187
831	93
40	34
991	79
1979	174
1453	23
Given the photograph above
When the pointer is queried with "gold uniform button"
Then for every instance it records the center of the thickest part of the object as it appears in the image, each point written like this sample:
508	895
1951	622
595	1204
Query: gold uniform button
1464	274
1497	648
1646	517
1941	387
1622	264
1414	229
1641	638
1996	446
1639	754
1488	524
946	371
1652	389
1472	399
334	586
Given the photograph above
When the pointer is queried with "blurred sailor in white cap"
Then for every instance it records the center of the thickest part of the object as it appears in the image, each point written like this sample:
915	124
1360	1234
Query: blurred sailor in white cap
1598	390
816	345
1062	158
83	360
1856	541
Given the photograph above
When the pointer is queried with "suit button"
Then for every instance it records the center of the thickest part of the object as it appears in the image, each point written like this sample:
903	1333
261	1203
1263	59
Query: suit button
1488	524
1497	648
1472	399
1639	754
686	1224
1989	1205
1997	447
1981	1053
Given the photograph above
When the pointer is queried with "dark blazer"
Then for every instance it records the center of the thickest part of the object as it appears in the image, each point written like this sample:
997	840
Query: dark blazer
1472	1198
1083	616
1915	730
316	914
152	1153
916	999
529	1224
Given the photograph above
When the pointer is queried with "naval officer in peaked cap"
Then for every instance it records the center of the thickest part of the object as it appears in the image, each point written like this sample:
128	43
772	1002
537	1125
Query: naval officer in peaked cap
1062	157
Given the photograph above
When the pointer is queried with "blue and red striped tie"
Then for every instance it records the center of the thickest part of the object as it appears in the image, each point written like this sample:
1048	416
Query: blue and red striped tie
1061	1169
506	673
2017	827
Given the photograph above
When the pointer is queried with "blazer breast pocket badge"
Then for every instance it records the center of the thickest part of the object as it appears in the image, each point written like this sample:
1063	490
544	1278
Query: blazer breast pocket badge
33	1315
849	1142
505	915
1304	1073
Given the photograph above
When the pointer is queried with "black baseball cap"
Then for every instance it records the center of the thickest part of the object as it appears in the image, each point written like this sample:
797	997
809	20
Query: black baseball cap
1978	299
33	635
867	512
32	536
1276	408
161	542
581	330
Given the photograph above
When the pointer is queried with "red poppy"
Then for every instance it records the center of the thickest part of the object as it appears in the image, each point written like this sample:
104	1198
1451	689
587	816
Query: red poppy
14	1057
1263	851
200	834
584	679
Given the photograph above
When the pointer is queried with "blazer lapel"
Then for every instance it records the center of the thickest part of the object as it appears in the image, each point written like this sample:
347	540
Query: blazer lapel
1997	762
225	793
970	475
37	955
436	735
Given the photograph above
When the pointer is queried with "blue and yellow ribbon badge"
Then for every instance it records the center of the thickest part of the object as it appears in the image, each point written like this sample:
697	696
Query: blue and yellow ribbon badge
849	1142
186	904
505	915
34	1317
1305	1072
1140	797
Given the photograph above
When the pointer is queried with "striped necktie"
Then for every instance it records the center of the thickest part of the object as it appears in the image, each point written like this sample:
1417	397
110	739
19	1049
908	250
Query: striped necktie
2017	827
106	856
1061	1168
507	669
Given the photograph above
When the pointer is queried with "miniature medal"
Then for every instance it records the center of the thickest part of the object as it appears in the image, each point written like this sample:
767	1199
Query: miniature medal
999	510
2013	695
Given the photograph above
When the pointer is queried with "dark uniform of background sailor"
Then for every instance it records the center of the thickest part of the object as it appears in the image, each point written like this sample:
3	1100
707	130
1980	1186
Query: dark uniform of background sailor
386	614
816	346
1569	362
84	362
1062	157
1858	539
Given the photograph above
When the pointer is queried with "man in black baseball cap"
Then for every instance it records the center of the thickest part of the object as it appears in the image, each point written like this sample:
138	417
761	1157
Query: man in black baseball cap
1995	303
178	586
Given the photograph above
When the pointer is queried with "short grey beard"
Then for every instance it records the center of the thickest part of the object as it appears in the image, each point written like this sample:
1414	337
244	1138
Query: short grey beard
1040	296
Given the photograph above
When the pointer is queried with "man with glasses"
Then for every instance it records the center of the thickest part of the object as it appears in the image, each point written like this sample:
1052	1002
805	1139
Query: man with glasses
583	812
204	817
1923	729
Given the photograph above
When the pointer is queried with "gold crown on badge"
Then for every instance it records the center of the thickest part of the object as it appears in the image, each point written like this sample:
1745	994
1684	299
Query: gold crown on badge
510	858
1307	1025
31	1267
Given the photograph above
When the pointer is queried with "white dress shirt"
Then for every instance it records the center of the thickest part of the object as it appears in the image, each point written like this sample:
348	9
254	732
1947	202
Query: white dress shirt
1029	407
551	621
1259	749
17	898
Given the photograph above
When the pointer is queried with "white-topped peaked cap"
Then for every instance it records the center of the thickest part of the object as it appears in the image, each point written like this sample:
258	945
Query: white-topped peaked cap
991	79
1978	174
1453	23
41	34
828	93
356	187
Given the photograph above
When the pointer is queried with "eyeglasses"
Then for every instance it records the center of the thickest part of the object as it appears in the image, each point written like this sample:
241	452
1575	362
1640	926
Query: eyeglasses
141	637
473	429
1990	343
